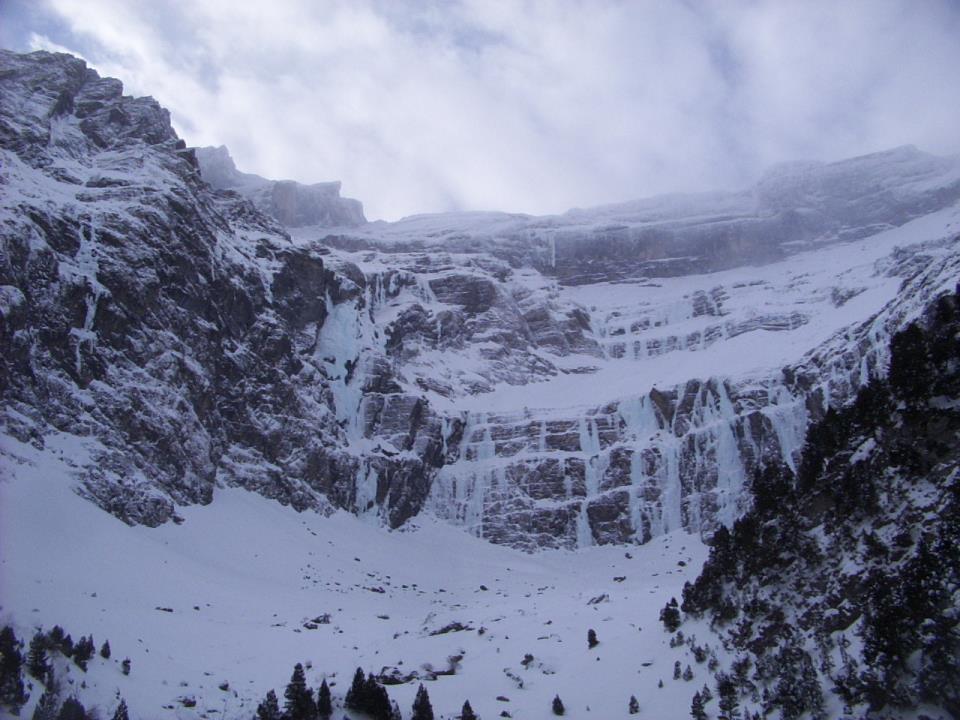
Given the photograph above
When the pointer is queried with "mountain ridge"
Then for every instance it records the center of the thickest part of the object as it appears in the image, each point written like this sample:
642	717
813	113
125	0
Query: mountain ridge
207	345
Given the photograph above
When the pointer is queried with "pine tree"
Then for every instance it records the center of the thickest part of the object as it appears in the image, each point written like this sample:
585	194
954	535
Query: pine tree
670	616
422	710
299	703
47	707
269	707
11	663
592	641
324	704
83	651
633	707
798	691
688	674
355	699
467	712
729	702
72	709
105	650
697	711
558	708
676	670
706	694
911	372
121	711
37	663
378	702
56	636
125	666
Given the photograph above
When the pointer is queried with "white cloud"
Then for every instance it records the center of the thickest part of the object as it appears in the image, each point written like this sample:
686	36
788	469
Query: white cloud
532	106
38	41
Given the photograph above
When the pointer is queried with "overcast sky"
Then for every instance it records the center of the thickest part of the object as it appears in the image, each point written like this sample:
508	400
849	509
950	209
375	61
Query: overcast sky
523	106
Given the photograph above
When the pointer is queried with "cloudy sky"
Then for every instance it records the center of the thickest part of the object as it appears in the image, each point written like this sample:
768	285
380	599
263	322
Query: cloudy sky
523	106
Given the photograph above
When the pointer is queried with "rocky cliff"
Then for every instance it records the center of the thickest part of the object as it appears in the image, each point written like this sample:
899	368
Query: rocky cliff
843	576
175	326
290	203
524	377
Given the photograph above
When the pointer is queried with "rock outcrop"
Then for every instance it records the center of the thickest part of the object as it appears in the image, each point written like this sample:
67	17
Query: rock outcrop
290	203
175	327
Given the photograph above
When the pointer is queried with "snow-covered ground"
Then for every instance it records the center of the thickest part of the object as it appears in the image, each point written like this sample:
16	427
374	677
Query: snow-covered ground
223	597
763	317
824	291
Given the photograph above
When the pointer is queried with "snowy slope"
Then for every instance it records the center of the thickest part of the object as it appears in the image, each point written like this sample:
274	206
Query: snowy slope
242	575
768	316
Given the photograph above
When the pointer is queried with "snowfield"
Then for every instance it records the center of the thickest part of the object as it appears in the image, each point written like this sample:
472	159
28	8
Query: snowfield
224	597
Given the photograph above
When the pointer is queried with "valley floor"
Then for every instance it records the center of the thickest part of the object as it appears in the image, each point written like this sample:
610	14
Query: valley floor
223	598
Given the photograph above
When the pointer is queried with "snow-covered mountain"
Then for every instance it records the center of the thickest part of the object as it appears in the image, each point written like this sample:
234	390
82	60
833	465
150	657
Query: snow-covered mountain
175	332
544	382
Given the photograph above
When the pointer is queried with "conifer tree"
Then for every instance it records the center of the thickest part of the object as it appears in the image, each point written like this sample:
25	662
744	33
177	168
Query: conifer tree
56	636
47	707
269	707
324	704
356	694
592	641
558	708
121	711
670	616
72	709
688	674
11	662
634	705
697	711
911	372
299	703
125	666
467	712
105	650
37	663
676	670
729	702
422	710
83	651
377	701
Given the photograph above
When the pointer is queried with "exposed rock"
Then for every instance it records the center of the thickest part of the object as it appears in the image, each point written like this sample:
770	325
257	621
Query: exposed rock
290	203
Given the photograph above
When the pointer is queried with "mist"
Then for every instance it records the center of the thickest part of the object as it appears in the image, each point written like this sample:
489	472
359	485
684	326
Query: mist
532	107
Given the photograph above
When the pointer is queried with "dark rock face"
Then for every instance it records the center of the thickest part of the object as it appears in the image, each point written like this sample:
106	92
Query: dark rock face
174	327
288	202
181	331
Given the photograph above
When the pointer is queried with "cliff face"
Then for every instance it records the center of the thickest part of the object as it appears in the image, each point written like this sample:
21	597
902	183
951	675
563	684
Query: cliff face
842	577
515	375
175	326
290	203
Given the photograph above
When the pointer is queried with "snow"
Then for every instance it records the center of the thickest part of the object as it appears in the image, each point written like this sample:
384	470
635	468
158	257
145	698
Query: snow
800	284
243	574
